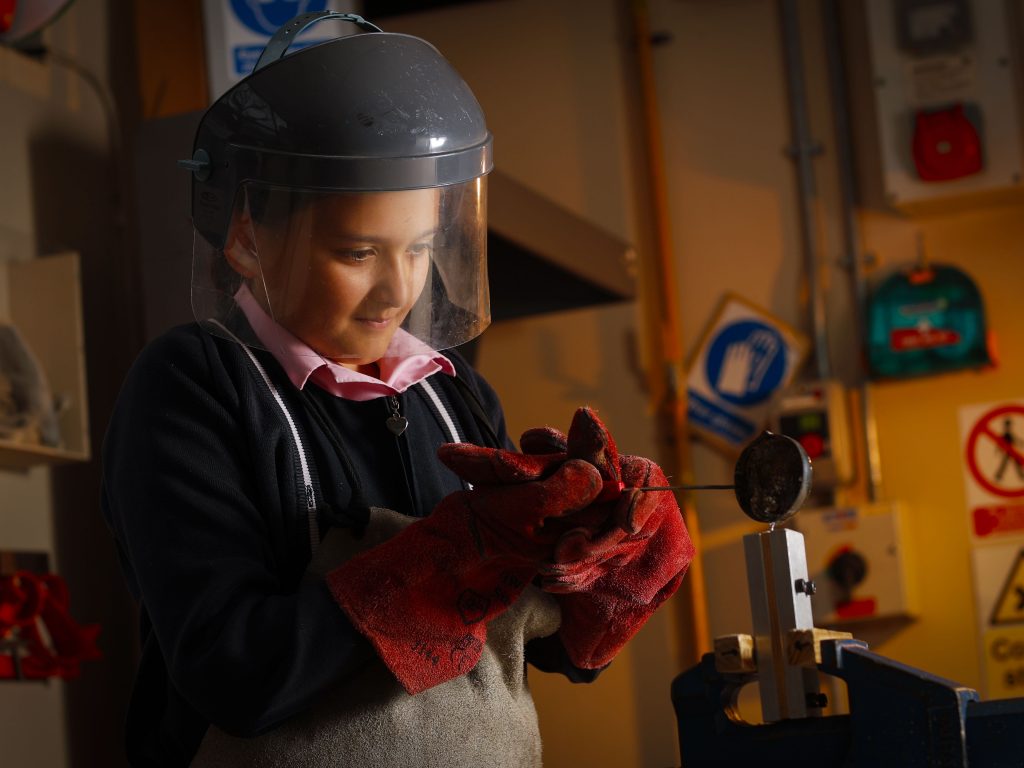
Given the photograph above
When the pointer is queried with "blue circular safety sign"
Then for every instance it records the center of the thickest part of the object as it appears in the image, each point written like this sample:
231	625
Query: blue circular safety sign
267	16
746	362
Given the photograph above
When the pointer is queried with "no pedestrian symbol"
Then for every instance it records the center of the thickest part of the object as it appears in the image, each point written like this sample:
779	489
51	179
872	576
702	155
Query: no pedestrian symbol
995	451
1009	608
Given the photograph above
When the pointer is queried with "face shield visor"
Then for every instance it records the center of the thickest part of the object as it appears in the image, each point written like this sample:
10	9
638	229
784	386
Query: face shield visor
349	276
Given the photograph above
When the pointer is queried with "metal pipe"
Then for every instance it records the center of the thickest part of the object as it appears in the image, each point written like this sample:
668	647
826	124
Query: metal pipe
852	249
803	151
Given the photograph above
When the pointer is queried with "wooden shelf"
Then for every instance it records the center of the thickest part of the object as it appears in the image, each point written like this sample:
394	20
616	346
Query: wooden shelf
42	298
24	456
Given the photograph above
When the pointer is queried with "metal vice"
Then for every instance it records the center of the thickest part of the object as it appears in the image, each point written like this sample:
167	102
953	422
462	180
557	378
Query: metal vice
899	716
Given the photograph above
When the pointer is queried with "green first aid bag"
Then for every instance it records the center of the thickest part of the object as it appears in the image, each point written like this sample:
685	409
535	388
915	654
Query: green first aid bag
926	320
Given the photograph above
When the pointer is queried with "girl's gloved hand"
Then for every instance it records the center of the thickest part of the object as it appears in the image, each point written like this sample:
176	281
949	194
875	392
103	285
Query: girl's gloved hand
424	597
618	526
617	560
517	500
632	524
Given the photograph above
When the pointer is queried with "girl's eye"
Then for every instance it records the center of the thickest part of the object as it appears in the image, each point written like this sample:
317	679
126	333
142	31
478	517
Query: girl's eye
421	249
356	254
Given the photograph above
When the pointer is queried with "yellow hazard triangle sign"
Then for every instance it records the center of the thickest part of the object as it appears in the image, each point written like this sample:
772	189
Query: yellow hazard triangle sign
1009	608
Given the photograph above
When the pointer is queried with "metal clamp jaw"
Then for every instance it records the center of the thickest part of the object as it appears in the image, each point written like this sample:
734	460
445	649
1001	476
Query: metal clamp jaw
780	601
899	715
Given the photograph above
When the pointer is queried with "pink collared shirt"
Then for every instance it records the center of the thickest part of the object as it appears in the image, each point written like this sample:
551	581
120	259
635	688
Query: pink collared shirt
407	360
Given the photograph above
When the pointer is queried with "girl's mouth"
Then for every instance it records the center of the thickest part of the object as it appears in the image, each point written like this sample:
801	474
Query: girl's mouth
375	322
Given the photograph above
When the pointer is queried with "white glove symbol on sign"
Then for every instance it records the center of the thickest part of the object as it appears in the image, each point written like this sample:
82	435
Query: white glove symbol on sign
745	364
732	378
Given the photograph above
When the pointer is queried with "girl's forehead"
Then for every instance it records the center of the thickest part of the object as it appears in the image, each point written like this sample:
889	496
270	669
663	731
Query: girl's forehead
387	211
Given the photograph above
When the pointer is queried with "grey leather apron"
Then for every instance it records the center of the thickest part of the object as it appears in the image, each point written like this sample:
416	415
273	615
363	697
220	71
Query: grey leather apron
483	718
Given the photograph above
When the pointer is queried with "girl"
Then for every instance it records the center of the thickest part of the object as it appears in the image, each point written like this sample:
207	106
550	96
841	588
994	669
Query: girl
339	557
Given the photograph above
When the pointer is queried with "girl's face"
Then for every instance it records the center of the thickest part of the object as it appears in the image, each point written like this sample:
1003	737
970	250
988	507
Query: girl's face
343	272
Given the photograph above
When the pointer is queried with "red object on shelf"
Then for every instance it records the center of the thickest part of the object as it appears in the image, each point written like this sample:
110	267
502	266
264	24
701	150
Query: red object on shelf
30	603
946	144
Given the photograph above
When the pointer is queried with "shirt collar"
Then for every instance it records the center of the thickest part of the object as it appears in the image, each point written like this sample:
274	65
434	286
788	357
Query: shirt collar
406	361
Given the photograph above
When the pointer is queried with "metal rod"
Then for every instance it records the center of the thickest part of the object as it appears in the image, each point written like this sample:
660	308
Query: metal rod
687	488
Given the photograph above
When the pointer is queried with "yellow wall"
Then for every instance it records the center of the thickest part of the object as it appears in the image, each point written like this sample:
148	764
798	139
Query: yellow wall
919	437
722	93
556	82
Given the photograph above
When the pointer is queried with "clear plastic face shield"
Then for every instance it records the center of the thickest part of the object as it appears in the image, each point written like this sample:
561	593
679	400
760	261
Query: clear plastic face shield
353	276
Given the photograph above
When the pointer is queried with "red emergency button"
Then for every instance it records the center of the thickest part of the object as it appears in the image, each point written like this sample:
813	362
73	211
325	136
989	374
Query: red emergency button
946	144
813	444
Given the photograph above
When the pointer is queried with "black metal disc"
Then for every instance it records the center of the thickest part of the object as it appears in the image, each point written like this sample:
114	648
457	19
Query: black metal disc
773	477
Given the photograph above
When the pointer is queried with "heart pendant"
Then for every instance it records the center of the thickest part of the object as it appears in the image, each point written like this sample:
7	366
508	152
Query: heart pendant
397	424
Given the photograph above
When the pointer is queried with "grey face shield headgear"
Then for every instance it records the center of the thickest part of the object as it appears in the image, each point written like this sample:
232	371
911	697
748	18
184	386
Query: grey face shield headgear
340	192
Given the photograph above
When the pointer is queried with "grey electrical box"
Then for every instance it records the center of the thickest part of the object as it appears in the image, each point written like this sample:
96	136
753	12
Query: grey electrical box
936	101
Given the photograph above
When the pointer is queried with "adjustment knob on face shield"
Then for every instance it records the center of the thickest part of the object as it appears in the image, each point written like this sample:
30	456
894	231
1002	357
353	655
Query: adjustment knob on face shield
199	165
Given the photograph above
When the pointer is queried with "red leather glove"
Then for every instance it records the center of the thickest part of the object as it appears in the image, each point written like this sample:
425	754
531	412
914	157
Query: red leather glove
585	554
620	558
424	597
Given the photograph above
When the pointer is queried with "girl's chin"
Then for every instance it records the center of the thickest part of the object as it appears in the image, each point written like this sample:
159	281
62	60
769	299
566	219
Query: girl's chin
360	358
353	352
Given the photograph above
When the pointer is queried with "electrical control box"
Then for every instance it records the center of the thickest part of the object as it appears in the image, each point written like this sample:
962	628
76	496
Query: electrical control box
815	414
936	101
858	559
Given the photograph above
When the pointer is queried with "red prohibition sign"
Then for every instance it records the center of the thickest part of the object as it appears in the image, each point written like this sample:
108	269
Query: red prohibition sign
1011	450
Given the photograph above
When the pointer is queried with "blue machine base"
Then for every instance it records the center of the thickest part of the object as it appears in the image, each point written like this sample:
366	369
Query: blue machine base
899	716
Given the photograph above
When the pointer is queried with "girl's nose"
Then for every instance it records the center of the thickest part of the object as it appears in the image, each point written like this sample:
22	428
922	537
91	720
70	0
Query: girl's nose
394	281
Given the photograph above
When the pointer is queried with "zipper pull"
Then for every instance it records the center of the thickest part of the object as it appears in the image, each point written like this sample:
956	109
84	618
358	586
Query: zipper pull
396	422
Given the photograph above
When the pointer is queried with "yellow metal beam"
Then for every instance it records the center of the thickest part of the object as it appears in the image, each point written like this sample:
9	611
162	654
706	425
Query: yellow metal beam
667	377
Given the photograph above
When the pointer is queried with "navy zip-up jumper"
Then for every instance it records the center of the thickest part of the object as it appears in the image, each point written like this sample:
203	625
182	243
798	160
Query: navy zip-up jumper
204	491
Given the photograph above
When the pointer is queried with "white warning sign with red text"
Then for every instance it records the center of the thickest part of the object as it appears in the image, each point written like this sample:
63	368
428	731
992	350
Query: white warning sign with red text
992	443
999	600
